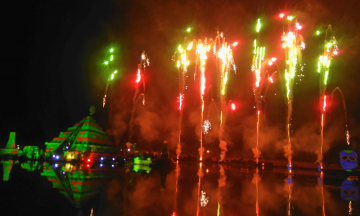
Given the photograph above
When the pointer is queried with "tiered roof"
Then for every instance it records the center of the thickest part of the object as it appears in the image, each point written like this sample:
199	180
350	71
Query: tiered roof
91	135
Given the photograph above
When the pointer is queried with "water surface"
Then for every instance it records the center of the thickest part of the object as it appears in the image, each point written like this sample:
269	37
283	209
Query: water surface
35	188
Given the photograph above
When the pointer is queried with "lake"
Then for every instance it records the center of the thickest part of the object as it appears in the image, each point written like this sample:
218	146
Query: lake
188	188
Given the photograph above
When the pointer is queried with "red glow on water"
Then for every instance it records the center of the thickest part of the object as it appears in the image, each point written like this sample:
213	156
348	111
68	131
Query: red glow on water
233	106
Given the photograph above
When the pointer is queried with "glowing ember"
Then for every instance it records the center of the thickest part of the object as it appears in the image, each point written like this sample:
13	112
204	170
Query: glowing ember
180	100
138	76
234	44
271	80
233	106
348	137
324	106
282	15
206	127
203	199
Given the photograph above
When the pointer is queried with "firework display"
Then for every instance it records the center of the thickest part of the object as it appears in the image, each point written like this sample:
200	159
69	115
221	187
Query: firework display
293	45
144	62
210	61
182	63
108	66
330	50
224	59
258	57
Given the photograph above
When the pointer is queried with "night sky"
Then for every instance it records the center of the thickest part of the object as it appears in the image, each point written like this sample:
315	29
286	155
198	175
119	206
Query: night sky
55	72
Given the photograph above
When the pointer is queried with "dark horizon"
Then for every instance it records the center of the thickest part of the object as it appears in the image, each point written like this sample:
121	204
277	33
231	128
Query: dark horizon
57	49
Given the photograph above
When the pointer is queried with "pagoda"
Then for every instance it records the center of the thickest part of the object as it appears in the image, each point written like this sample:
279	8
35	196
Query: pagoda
84	138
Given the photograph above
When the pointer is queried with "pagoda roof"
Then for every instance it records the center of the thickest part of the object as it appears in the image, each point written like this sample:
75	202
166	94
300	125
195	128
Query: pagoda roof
90	132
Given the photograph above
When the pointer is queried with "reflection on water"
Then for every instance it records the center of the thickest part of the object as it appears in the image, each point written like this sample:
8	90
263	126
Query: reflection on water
185	189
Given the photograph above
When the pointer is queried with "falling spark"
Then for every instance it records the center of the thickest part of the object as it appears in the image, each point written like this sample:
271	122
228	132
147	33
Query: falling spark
206	127
348	137
258	26
271	79
235	44
138	76
144	62
181	98
282	15
203	199
233	106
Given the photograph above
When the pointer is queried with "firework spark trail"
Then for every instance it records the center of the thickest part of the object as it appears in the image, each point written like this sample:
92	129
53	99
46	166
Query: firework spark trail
259	53
202	56
292	44
225	56
139	76
106	63
182	64
344	105
330	49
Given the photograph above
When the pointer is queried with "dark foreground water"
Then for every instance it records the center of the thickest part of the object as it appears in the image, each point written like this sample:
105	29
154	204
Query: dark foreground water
34	188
